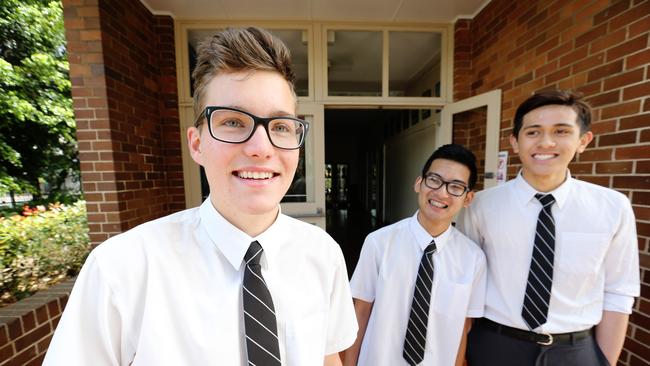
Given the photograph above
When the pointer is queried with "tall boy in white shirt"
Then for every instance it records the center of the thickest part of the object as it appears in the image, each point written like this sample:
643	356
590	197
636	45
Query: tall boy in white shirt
419	281
233	282
562	256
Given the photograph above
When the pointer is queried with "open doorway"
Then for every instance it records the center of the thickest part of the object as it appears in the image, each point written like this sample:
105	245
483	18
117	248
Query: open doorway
372	158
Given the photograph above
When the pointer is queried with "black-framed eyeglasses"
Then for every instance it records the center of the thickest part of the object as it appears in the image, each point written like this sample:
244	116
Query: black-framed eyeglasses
236	126
434	181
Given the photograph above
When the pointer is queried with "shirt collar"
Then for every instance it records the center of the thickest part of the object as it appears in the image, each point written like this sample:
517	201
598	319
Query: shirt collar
423	238
526	193
234	243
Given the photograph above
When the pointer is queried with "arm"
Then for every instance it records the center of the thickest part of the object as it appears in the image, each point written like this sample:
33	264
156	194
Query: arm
460	358
610	334
332	360
363	310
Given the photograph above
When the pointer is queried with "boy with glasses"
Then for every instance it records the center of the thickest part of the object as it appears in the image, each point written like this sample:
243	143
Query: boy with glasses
563	257
233	282
419	281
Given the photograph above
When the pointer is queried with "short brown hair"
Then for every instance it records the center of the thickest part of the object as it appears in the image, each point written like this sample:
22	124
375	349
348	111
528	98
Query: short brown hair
239	49
554	97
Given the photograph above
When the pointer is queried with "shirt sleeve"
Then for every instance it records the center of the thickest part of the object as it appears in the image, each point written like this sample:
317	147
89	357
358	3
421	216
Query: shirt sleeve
342	320
364	279
622	281
477	299
467	224
89	330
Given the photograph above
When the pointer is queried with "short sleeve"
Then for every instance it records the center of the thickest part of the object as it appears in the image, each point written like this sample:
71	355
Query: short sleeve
477	299
342	321
467	224
364	279
90	327
622	265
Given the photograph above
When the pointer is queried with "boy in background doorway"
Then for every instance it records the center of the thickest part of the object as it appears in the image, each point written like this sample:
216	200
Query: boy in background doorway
419	281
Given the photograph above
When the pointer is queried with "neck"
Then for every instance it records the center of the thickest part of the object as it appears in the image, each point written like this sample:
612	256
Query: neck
434	228
544	183
252	224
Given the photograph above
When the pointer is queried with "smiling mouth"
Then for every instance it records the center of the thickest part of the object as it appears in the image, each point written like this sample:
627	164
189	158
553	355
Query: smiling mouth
437	204
254	175
544	156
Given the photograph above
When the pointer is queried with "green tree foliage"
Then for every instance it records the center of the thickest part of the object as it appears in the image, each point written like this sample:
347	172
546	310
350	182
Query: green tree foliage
37	128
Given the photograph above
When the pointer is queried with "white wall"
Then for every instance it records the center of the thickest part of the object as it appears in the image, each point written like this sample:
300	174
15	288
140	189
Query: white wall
405	154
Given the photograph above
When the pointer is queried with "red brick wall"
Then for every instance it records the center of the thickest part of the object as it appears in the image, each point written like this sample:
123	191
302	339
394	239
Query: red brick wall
600	48
26	327
122	68
470	129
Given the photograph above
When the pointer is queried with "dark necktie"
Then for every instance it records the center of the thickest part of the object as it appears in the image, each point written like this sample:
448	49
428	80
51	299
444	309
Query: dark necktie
259	314
540	277
416	331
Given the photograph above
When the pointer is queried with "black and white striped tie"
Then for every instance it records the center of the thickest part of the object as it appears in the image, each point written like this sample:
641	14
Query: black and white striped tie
540	277
416	331
259	314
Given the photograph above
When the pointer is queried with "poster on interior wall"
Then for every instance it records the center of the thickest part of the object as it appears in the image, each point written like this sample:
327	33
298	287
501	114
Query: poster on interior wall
502	167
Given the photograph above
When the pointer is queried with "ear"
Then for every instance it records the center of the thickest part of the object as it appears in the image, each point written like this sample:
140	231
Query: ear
468	198
416	186
194	144
514	143
585	139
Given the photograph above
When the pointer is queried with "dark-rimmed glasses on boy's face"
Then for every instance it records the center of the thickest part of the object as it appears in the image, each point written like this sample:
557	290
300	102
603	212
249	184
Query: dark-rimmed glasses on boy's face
236	126
434	181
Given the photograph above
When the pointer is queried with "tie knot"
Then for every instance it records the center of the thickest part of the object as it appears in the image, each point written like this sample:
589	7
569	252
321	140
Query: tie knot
431	248
253	254
545	199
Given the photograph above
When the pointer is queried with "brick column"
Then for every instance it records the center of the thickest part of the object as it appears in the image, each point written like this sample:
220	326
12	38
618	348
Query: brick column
94	135
123	73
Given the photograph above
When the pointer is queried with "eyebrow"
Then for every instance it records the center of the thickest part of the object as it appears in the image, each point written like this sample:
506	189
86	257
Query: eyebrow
449	181
276	113
559	124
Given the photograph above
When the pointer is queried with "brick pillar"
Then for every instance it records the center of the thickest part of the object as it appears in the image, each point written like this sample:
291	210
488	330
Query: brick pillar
85	54
462	59
123	73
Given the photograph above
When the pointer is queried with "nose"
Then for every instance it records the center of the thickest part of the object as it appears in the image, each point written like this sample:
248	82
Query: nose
547	140
259	145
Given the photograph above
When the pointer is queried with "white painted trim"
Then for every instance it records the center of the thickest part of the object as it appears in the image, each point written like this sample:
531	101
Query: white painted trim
491	100
156	12
472	16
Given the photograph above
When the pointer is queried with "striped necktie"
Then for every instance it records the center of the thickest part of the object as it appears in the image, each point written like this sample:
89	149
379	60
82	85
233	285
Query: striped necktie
416	331
259	314
540	277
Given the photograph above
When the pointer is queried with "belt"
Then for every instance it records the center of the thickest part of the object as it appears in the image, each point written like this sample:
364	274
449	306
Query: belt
543	339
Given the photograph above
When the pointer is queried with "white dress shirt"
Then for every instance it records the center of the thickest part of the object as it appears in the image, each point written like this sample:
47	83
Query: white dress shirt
169	293
596	264
385	275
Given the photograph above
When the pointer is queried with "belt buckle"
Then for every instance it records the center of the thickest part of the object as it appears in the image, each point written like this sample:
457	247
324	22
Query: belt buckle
547	342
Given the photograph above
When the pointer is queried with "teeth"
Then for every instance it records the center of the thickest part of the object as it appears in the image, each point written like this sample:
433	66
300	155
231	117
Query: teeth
255	175
543	156
438	204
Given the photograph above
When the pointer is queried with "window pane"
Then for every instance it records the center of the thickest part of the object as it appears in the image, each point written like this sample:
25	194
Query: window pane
302	187
414	59
295	39
354	63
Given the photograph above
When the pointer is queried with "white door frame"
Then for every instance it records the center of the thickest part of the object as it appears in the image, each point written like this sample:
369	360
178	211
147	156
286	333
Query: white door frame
491	100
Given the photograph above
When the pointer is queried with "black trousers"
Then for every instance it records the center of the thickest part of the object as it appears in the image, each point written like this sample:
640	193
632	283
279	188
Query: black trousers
486	347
